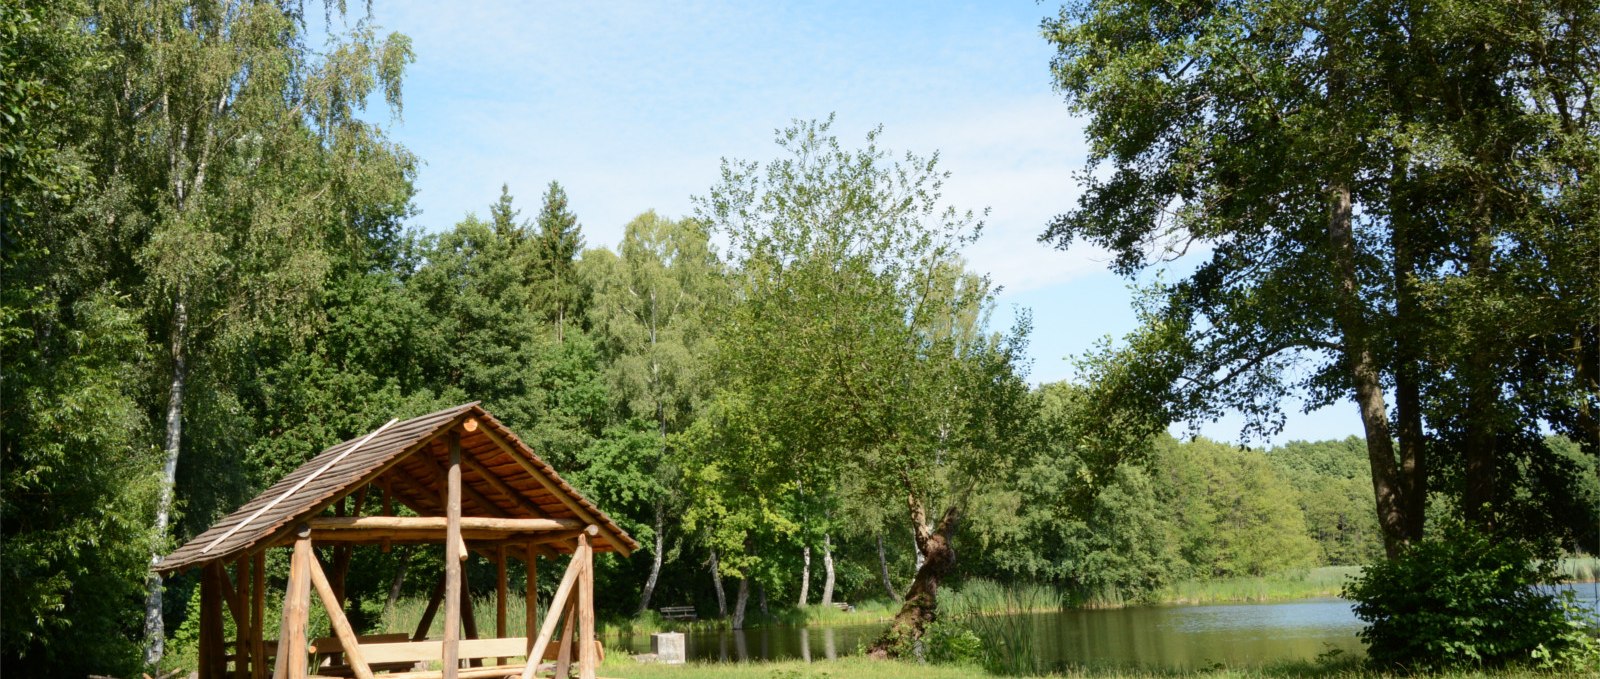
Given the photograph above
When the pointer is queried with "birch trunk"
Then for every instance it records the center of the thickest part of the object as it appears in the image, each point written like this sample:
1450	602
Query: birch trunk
154	626
805	575
827	569
655	560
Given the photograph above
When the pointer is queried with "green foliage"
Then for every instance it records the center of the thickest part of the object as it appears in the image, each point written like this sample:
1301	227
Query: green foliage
1463	599
950	642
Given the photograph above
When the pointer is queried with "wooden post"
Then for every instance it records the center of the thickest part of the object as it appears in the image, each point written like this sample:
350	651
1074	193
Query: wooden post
258	608
530	604
500	596
341	625
241	620
296	606
469	619
558	606
564	651
588	658
211	622
452	561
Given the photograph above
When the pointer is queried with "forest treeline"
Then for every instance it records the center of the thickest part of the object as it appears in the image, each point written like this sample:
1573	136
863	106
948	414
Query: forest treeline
793	394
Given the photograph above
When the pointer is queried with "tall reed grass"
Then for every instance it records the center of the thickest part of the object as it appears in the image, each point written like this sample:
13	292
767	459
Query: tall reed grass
1580	568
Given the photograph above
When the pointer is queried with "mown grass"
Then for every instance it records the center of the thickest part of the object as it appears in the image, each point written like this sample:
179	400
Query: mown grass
624	667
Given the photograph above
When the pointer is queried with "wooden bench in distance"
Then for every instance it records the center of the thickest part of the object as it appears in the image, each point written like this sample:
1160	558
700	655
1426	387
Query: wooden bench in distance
843	606
678	613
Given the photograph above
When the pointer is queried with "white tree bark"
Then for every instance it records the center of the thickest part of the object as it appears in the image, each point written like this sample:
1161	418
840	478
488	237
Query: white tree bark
805	575
154	626
827	569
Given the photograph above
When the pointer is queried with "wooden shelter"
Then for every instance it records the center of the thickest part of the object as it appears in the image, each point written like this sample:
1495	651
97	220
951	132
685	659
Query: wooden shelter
473	487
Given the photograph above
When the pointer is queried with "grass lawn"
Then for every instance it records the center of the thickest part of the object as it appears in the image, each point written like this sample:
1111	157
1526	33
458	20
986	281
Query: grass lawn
622	667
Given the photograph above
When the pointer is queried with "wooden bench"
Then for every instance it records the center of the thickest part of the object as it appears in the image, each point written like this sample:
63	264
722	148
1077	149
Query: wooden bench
678	613
843	606
390	652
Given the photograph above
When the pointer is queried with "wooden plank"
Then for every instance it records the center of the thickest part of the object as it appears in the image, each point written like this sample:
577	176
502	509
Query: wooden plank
258	608
452	559
566	500
486	673
424	651
296	606
438	524
430	611
558	605
500	595
341	625
588	661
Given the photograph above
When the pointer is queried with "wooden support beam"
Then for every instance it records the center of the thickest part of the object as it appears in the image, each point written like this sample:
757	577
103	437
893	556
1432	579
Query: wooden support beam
500	596
564	651
588	660
430	611
469	620
438	524
212	657
242	619
341	626
558	606
616	542
258	612
296	606
453	551
530	604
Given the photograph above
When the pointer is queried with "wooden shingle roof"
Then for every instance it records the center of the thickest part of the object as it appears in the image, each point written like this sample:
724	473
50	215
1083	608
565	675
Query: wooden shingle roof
501	477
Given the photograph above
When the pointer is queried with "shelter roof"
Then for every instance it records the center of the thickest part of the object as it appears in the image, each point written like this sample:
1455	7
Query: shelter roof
500	477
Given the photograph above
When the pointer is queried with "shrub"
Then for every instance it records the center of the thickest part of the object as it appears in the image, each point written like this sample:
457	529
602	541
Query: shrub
949	641
1462	599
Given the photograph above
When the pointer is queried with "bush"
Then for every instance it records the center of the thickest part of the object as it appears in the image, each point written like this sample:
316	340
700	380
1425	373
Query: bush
1463	599
949	641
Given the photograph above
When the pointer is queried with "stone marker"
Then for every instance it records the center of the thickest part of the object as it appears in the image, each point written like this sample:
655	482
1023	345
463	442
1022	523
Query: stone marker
668	647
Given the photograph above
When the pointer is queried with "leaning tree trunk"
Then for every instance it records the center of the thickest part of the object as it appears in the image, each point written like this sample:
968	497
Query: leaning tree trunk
655	560
827	569
154	626
739	603
1366	378
716	580
883	570
400	581
921	600
805	575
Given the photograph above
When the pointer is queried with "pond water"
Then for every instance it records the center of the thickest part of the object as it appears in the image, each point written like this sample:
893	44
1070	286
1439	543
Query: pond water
1154	637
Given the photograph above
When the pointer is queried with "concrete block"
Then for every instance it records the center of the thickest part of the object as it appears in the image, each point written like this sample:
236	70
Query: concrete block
669	648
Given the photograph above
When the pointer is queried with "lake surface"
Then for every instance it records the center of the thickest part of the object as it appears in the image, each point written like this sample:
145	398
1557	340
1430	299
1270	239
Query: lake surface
1155	637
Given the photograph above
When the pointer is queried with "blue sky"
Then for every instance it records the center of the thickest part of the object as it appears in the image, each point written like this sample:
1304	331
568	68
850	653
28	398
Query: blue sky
631	106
